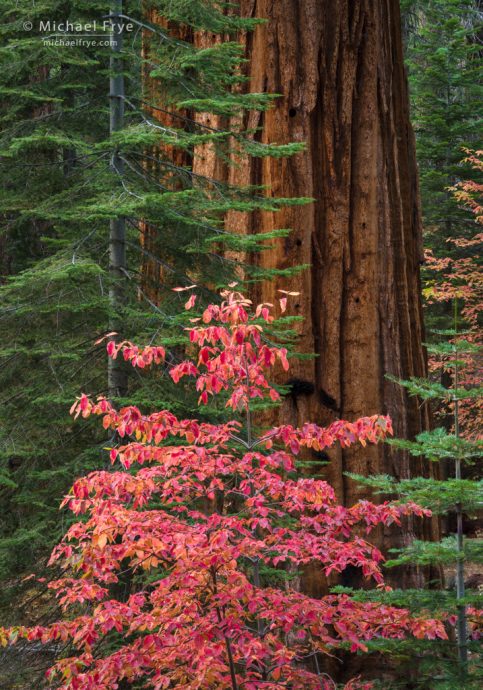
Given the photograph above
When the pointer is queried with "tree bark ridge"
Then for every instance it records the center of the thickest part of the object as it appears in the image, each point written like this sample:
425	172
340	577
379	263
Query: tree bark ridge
339	68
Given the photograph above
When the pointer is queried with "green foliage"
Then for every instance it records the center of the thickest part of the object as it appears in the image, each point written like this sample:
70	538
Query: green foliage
440	553
442	56
440	496
439	444
454	496
58	194
432	390
209	15
436	601
428	666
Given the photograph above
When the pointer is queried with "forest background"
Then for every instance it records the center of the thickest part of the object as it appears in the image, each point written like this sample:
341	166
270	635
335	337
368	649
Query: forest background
204	172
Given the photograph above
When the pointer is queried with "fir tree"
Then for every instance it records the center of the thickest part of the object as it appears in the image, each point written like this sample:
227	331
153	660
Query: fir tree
442	55
456	498
65	178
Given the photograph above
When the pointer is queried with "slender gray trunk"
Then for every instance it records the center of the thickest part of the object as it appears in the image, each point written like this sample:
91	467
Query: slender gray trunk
460	564
116	373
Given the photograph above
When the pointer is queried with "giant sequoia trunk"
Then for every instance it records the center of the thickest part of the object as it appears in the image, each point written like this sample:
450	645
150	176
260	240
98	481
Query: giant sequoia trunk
338	66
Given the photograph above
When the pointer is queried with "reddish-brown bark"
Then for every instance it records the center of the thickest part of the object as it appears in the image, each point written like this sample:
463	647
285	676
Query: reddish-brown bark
154	104
338	66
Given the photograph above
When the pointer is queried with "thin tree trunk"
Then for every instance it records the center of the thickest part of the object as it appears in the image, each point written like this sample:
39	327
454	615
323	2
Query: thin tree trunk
116	372
117	380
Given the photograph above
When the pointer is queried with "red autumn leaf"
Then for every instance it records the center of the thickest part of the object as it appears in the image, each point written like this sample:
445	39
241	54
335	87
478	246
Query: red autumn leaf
198	508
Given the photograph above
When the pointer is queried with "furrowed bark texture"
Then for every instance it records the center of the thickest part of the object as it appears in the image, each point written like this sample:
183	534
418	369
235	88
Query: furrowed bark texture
338	66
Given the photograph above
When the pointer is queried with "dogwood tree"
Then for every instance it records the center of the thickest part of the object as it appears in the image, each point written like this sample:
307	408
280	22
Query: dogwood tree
213	516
